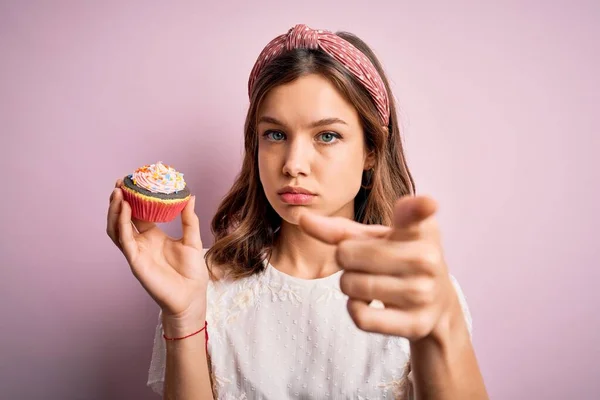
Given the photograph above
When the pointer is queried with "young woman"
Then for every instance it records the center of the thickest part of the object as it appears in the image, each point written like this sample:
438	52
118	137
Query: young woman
327	278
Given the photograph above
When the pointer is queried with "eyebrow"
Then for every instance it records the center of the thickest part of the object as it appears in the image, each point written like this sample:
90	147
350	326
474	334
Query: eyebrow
316	124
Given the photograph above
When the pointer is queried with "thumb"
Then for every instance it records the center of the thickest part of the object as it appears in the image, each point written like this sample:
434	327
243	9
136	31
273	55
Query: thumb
410	215
191	225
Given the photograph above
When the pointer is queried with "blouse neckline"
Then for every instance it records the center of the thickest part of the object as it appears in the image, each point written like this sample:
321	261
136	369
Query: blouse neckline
332	279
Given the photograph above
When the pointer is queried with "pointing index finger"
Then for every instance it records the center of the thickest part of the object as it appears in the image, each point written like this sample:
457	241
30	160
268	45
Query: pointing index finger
333	230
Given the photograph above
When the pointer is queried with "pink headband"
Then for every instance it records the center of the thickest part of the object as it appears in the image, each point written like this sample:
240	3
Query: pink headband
301	36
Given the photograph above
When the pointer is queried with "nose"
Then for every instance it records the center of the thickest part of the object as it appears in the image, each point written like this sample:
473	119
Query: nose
298	159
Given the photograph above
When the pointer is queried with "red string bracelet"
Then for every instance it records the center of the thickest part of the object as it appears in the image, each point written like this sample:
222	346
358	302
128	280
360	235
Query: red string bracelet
205	329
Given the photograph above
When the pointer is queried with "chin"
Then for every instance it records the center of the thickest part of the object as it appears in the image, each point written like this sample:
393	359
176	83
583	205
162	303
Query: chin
291	214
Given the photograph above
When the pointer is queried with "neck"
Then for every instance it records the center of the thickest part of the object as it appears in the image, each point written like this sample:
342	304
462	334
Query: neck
297	254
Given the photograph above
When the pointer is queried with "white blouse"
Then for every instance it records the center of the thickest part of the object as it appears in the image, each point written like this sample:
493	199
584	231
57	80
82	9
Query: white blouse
275	336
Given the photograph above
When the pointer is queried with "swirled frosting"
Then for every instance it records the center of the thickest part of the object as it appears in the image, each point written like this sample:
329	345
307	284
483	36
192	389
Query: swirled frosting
158	178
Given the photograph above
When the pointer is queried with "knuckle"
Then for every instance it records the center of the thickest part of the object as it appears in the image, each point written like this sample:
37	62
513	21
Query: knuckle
370	287
346	283
361	320
429	258
424	291
357	286
418	332
423	299
345	233
192	220
421	326
343	254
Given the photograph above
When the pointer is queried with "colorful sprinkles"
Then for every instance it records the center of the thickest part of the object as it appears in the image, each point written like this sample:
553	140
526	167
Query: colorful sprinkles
158	178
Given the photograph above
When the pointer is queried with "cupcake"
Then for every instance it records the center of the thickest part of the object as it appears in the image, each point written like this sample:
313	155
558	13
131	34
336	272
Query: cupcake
156	193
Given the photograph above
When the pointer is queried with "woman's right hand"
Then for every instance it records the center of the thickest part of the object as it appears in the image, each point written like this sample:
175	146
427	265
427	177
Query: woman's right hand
172	271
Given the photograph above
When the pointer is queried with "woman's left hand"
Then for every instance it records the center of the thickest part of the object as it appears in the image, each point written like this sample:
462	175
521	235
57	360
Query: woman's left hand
402	266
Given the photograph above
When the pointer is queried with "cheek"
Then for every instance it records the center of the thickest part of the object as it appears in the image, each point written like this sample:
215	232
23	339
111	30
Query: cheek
266	167
262	167
342	177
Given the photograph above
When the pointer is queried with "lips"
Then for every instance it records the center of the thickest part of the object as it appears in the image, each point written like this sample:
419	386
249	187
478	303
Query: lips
295	190
296	195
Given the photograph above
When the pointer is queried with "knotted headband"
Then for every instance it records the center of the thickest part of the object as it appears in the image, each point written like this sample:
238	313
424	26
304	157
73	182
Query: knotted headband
303	37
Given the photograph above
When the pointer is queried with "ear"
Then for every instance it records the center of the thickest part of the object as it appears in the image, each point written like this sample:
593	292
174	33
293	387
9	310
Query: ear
369	161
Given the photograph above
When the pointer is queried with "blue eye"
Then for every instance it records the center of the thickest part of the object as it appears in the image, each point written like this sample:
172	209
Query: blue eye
329	137
275	136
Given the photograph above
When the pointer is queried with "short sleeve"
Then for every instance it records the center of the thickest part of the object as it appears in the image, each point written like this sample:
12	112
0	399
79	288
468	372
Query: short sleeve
463	303
156	373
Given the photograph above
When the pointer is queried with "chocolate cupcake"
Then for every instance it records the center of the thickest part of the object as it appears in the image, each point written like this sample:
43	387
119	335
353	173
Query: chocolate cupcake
156	193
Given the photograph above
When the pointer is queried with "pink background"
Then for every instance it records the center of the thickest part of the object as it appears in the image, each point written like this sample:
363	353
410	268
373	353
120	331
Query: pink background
497	104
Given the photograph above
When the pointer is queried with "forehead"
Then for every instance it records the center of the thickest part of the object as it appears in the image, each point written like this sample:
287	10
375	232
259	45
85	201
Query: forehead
309	97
